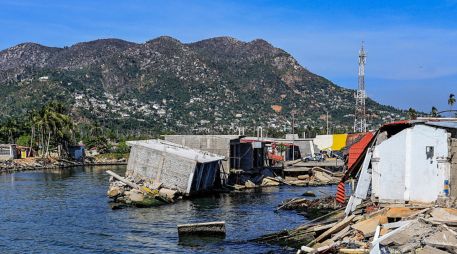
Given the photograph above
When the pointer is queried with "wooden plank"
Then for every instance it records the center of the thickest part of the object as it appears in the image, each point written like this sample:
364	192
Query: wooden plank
341	234
336	228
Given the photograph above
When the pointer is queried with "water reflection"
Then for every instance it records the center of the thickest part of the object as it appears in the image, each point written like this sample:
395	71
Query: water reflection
67	211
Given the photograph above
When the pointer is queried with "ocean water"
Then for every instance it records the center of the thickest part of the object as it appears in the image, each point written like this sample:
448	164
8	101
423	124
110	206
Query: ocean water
67	211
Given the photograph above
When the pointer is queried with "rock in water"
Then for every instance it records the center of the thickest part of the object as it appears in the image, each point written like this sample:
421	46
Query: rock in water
249	184
136	196
309	194
269	182
303	177
114	191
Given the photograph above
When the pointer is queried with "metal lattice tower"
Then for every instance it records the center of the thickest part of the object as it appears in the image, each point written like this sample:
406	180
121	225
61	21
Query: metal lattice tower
360	121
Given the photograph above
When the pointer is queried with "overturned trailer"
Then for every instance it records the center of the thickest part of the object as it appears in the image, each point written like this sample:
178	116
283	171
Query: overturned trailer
174	166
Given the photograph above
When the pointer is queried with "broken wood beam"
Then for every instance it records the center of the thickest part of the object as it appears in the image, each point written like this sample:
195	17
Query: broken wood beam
205	228
122	179
336	228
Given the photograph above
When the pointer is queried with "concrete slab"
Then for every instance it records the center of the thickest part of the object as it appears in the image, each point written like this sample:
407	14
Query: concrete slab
442	239
430	250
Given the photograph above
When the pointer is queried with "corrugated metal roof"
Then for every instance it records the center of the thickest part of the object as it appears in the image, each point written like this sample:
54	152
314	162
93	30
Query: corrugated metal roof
178	150
358	149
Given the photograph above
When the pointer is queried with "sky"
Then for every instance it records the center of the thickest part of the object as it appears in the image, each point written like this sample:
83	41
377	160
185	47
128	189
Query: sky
411	44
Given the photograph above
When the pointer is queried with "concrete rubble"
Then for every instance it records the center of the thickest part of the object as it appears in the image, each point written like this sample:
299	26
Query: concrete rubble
137	192
311	208
315	177
374	229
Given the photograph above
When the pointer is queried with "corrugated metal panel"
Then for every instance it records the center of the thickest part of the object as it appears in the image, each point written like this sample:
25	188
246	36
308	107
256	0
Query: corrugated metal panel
358	149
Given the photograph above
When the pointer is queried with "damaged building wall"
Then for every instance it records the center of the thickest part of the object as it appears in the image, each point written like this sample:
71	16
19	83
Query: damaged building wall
388	163
160	167
411	165
217	144
176	167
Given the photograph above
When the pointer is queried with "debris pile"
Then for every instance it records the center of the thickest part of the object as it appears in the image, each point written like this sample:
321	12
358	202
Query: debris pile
372	229
316	176
138	192
311	208
34	163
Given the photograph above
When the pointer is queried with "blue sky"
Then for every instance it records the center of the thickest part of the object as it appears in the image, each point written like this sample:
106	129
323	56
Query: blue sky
411	45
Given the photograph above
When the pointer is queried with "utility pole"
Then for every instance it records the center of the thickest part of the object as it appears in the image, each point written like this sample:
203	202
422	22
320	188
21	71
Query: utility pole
293	135
360	120
326	118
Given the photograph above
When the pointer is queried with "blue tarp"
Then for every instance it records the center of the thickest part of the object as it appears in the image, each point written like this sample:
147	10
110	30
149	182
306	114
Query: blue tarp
77	153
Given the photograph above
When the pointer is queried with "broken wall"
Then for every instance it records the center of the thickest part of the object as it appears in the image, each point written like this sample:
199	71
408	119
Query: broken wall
217	144
172	171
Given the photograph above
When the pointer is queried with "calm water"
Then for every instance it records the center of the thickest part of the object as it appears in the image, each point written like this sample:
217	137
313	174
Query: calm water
68	212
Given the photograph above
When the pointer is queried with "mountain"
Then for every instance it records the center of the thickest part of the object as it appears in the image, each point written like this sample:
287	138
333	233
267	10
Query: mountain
211	86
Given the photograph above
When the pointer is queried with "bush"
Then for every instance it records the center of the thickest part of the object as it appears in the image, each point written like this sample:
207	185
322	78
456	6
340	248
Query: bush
24	140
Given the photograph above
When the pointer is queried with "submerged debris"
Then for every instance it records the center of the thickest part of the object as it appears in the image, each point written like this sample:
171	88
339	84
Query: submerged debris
127	191
205	228
311	208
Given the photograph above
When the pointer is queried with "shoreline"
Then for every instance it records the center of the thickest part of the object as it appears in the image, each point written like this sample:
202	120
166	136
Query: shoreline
5	169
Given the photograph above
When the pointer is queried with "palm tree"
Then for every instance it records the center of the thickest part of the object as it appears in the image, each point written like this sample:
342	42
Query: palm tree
53	122
412	114
451	100
434	112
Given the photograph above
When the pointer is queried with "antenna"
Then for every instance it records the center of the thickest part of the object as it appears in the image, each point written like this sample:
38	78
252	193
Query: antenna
360	121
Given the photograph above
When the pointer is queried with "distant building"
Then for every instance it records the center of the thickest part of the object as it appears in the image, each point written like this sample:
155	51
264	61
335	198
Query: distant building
238	155
8	151
43	78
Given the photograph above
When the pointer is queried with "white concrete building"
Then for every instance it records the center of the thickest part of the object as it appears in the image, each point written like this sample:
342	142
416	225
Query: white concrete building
7	152
175	166
408	162
412	165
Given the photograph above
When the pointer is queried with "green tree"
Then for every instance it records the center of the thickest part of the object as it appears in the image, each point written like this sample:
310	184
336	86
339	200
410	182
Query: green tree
434	112
10	130
451	100
412	114
53	123
24	140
